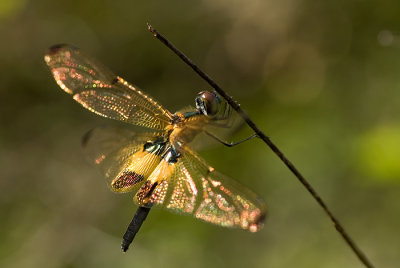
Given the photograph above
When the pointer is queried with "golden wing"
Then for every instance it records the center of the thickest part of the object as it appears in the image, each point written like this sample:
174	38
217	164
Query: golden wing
191	186
119	153
99	90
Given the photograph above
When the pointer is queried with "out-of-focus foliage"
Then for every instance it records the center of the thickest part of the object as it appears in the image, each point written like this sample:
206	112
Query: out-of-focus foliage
320	77
385	143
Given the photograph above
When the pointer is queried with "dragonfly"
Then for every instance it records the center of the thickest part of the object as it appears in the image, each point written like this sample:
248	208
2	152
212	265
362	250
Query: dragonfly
160	163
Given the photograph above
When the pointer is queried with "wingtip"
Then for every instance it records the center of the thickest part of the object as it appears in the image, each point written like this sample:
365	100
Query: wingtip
55	49
258	223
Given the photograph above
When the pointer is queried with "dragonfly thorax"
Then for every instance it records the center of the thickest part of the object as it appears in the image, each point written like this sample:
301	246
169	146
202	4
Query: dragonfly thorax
181	135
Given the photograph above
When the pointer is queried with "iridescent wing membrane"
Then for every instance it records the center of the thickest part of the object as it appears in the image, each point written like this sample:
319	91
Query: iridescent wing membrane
193	187
99	90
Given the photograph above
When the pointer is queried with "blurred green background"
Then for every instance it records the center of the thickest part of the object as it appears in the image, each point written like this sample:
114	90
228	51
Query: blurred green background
321	78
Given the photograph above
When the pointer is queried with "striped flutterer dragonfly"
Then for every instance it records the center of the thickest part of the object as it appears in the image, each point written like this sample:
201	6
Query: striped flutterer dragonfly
159	165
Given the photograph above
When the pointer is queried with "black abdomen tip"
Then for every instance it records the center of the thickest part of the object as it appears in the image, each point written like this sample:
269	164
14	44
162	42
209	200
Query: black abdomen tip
124	247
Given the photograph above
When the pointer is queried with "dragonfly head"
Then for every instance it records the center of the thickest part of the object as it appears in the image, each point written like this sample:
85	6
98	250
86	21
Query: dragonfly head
208	103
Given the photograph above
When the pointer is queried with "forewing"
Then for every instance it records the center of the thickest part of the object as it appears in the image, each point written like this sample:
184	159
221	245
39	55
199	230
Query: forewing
100	91
119	155
191	186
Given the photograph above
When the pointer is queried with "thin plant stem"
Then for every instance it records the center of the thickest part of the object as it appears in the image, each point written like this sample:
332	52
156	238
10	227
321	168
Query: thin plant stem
350	242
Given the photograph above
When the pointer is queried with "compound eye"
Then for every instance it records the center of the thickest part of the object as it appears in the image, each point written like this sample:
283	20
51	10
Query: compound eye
208	103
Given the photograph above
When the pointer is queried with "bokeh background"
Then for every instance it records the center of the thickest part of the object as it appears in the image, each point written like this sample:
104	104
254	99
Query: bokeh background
321	78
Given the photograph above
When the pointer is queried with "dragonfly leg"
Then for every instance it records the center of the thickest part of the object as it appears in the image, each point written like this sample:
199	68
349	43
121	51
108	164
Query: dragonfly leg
231	144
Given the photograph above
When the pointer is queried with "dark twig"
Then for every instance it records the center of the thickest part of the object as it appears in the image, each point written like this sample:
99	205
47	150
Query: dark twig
273	147
134	226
